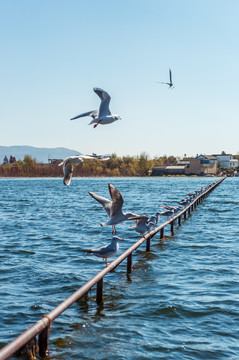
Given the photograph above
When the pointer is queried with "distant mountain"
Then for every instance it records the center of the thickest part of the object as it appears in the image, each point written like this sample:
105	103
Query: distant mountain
40	154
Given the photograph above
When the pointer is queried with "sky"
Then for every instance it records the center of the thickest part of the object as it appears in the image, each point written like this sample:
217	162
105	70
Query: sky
54	52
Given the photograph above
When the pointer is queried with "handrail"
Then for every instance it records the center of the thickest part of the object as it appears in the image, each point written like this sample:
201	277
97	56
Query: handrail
42	326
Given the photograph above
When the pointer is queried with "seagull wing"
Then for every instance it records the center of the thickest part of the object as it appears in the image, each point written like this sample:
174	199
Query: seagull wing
68	168
170	76
105	100
103	157
165	207
117	200
89	157
101	252
96	157
139	219
67	171
105	251
107	204
92	113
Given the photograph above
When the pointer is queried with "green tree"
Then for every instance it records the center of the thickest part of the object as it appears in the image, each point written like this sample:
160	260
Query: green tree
144	164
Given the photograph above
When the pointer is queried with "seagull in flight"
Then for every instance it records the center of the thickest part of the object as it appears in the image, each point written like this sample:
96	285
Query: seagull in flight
113	207
77	159
170	83
102	116
105	251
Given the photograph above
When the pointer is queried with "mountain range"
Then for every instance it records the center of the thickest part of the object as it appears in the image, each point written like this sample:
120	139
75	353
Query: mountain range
39	154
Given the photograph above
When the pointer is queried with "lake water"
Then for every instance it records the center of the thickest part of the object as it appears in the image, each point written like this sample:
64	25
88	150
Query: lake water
181	300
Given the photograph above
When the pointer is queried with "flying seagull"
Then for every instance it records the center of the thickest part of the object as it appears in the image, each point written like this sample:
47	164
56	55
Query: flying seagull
70	160
102	116
113	207
105	251
170	83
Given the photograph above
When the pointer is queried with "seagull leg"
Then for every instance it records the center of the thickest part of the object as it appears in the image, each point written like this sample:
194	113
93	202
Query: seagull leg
105	261
97	124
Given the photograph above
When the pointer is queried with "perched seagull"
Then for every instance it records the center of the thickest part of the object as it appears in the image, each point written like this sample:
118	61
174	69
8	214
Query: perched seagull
167	213
143	224
69	161
106	251
171	208
170	83
104	115
185	202
154	219
113	207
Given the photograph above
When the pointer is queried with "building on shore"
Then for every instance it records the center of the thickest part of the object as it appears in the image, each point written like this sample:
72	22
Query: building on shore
227	160
202	165
160	170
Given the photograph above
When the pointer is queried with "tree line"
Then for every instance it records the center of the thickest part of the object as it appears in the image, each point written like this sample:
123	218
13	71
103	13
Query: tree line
117	166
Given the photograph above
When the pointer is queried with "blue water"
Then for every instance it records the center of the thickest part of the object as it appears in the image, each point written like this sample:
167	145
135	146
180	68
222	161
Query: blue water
181	300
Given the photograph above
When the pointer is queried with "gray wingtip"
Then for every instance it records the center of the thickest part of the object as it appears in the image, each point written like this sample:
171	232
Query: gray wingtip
97	89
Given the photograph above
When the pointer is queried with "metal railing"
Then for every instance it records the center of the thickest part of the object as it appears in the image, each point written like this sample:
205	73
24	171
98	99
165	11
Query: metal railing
42	327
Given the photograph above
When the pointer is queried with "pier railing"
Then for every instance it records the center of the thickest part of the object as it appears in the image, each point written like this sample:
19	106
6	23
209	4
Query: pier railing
27	340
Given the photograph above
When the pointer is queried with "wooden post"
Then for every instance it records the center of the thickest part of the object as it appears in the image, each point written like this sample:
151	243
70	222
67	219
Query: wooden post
172	232
185	215
43	341
99	294
179	220
161	233
129	263
148	244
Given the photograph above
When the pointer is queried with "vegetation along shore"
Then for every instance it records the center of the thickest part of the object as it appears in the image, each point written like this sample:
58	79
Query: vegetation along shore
117	166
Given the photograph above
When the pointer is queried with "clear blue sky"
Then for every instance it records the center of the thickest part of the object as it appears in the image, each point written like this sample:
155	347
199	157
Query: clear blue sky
53	53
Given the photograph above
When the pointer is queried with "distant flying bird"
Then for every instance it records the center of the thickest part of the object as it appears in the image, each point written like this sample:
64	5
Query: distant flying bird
104	115
170	83
69	161
113	207
105	251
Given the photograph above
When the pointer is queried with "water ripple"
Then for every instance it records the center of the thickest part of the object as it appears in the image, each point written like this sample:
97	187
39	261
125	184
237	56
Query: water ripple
180	301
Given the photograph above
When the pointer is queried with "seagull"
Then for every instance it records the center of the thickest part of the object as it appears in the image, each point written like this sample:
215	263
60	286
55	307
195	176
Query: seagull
154	219
105	251
104	115
113	207
174	209
185	202
167	213
70	160
143	224
170	83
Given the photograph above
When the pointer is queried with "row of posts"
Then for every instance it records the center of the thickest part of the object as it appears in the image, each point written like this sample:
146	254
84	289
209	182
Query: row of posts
99	291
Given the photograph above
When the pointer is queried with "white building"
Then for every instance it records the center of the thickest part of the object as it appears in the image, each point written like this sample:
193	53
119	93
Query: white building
227	160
